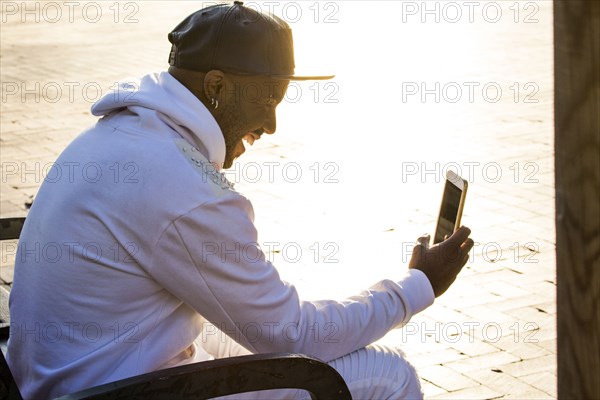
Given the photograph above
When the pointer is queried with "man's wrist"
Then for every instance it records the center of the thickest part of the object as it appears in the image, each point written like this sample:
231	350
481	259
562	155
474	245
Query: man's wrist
417	289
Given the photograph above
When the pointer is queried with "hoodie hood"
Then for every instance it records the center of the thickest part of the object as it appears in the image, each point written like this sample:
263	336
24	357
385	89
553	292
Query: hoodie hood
162	103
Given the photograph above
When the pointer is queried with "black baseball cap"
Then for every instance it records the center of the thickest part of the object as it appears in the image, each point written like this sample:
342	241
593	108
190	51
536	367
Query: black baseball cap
236	39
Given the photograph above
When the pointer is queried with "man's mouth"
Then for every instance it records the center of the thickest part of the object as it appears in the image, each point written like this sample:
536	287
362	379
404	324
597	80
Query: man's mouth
251	137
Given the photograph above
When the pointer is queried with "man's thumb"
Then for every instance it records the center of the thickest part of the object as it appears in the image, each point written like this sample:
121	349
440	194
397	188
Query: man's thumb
417	255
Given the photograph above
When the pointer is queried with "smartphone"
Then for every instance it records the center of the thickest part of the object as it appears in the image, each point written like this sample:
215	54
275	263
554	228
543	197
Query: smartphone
453	202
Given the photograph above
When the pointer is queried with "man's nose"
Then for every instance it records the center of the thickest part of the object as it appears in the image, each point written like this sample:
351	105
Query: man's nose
271	122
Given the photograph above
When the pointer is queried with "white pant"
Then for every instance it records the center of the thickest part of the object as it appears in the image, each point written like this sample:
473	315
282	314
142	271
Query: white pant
372	373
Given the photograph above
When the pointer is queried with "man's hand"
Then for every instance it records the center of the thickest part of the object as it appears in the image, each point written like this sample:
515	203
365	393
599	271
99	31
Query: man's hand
442	262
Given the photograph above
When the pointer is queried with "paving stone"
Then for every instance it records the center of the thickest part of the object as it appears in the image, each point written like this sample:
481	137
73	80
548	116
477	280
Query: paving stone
531	366
490	361
508	385
487	314
505	289
544	381
6	275
524	345
469	296
438	357
473	346
543	288
446	378
475	392
548	345
515	303
429	389
443	313
534	315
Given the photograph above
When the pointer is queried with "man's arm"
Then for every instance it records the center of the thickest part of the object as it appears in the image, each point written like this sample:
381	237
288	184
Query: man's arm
210	259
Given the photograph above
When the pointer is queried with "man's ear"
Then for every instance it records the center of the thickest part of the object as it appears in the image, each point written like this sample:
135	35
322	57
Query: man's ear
214	80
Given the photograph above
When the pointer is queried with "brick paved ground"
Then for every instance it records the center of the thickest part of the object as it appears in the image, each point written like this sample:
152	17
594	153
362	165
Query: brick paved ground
371	148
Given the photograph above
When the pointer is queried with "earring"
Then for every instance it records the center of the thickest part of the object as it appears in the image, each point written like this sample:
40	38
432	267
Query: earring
214	102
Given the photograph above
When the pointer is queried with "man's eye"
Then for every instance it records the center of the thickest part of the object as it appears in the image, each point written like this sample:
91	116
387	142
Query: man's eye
268	103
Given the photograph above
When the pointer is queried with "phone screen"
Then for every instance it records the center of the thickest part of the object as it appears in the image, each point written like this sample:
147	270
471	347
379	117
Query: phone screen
448	212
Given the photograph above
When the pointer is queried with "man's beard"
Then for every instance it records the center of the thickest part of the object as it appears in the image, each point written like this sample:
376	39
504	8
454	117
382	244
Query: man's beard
234	128
230	146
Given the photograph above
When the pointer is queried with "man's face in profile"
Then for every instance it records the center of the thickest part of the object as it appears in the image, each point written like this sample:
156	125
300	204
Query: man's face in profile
247	110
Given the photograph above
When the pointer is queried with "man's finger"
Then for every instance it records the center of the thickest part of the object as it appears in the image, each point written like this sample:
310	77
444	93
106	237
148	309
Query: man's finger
417	255
465	248
424	240
460	235
467	245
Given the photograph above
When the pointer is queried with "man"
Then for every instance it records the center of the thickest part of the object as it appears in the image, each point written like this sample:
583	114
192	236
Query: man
150	259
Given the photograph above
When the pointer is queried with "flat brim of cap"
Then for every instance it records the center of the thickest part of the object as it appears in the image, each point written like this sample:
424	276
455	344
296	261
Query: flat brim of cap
303	77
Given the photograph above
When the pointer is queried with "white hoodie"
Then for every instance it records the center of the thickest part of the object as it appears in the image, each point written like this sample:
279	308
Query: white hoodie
136	243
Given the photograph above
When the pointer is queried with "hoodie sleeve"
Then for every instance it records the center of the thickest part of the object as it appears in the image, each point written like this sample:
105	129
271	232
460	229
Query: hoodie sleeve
211	260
